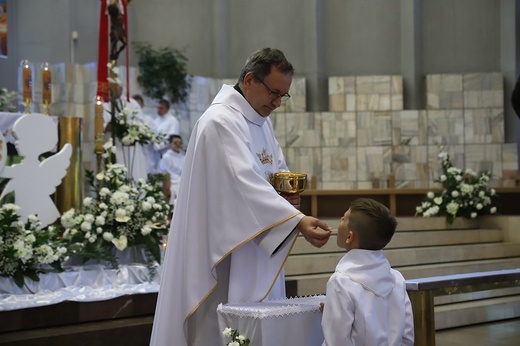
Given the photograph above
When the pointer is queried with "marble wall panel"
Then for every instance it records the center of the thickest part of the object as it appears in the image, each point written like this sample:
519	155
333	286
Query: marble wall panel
410	166
409	127
445	126
339	185
374	128
483	90
510	156
297	101
278	121
484	125
374	162
378	93
396	92
339	165
444	91
484	157
339	129
342	94
305	160
303	129
336	94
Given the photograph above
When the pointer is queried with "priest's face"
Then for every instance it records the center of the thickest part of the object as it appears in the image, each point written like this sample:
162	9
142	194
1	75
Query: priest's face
266	95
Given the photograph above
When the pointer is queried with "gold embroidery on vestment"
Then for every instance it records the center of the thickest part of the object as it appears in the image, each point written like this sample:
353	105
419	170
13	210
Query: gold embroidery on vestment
265	158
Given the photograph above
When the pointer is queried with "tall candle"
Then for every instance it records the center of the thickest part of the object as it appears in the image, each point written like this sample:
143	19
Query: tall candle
98	126
46	87
27	81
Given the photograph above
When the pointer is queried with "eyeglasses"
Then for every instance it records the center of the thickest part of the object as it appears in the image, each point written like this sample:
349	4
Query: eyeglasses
273	95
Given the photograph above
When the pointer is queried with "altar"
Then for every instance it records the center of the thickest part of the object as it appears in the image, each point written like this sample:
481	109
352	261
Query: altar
288	322
99	305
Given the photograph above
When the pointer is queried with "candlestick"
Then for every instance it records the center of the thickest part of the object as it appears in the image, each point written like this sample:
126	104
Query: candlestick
27	84
98	126
46	87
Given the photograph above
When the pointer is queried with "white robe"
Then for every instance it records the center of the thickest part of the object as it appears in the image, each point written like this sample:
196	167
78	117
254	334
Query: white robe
226	225
367	303
172	163
170	125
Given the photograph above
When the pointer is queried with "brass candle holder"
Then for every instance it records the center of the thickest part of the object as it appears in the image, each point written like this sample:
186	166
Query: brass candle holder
289	182
27	102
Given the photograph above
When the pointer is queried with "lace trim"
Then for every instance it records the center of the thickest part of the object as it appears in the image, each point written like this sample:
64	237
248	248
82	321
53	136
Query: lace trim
273	308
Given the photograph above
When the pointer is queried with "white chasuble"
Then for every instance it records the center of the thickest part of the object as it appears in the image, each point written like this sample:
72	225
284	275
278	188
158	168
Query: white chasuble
227	222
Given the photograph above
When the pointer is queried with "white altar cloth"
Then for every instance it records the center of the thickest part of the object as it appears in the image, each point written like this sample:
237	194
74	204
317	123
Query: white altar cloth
288	322
80	284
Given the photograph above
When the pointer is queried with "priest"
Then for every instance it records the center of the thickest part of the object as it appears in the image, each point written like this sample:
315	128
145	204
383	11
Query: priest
231	231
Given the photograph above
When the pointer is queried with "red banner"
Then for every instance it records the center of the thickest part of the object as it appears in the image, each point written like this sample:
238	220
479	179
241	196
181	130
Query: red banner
102	68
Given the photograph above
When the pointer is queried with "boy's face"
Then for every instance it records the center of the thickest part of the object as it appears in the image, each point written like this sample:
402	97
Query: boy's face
176	144
343	230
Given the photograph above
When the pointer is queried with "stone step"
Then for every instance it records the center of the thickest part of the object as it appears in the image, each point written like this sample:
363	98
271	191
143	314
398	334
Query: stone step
411	239
309	284
421	223
476	295
475	312
326	262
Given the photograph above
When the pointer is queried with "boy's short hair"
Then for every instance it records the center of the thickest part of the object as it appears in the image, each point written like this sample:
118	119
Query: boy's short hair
165	103
138	98
372	222
172	137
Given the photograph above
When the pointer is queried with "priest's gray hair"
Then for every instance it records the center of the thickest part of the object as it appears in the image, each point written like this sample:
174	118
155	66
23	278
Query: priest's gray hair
261	61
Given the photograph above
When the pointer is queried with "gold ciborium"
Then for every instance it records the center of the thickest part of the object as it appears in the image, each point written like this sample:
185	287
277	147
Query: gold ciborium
289	182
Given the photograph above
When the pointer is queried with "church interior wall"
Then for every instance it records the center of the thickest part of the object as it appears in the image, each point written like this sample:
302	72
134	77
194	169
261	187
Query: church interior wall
356	39
461	36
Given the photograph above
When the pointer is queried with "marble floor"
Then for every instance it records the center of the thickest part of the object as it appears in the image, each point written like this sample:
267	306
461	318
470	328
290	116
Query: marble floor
503	333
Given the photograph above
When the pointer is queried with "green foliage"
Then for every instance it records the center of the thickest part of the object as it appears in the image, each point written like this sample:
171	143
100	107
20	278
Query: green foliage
162	72
24	248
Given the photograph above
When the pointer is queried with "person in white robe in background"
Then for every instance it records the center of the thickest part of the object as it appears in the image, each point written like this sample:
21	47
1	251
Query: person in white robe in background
231	231
172	163
164	122
366	300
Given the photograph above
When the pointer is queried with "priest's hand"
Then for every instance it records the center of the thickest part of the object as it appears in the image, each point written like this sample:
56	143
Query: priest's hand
293	198
309	227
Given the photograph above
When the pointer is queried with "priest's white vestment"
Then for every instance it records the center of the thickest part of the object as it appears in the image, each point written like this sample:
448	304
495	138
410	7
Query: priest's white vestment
227	226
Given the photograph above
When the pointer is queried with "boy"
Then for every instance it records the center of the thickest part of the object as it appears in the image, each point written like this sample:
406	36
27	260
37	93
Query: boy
171	163
366	301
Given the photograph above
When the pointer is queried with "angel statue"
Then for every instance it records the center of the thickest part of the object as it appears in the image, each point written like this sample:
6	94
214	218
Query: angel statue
34	181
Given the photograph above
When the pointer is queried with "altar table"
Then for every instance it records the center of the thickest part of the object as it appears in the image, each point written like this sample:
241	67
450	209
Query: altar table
87	283
288	322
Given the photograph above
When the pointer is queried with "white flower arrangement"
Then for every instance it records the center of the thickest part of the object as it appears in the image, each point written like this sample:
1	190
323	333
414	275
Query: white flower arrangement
8	100
130	129
236	338
127	126
24	248
122	214
465	193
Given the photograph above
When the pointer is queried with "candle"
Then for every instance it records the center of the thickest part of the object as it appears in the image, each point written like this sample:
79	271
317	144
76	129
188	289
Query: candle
46	87
98	126
27	81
